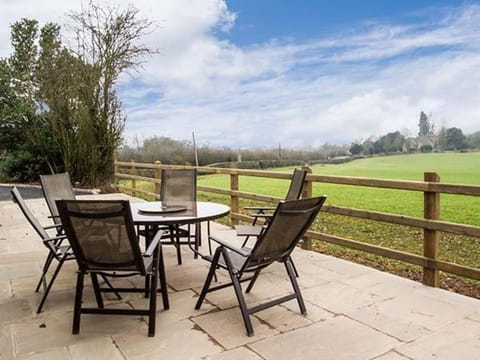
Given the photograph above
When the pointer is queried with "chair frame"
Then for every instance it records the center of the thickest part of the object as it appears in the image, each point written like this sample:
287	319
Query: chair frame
153	274
56	249
254	265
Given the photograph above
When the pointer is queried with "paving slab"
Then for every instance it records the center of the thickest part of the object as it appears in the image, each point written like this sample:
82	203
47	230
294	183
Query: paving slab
460	340
14	309
5	290
182	306
314	312
97	348
392	355
338	298
19	270
337	338
180	340
382	284
227	328
240	353
60	353
404	329
6	342
283	319
416	312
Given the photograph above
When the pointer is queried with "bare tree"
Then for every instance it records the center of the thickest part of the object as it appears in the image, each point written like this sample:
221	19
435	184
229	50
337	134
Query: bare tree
108	42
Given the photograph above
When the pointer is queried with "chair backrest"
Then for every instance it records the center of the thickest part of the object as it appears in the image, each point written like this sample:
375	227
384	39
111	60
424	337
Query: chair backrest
296	185
178	185
288	224
18	198
56	187
101	234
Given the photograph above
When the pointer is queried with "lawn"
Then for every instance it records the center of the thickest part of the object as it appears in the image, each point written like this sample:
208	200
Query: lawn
460	168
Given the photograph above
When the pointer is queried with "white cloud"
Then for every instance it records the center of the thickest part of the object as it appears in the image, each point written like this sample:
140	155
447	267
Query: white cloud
370	80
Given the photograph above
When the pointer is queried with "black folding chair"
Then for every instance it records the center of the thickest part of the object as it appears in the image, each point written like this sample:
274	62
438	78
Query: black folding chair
103	239
262	212
285	229
58	248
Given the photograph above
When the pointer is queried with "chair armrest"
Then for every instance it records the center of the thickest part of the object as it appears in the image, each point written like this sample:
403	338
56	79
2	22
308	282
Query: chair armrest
154	244
230	246
266	216
60	237
260	208
52	226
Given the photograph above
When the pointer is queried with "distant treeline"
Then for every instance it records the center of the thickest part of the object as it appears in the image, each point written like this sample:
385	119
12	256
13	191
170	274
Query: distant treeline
429	138
170	151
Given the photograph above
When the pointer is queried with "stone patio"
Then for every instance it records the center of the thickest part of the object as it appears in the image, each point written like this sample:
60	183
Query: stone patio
354	312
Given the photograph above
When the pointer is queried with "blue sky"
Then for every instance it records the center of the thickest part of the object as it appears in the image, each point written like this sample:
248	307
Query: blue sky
258	73
263	20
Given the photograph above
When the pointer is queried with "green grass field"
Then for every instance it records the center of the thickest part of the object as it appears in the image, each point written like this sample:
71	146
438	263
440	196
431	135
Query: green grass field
459	168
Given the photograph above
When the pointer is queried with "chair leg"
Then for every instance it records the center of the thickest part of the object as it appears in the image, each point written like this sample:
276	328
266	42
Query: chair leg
96	289
208	280
209	240
252	282
50	284
296	288
293	266
163	280
238	292
175	238
46	266
197	238
78	303
149	230
152	316
148	281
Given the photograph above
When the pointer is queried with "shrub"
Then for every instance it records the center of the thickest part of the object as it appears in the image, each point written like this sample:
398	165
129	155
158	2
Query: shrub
20	166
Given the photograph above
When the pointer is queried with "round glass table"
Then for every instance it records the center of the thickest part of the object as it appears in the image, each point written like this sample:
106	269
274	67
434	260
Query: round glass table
155	214
179	213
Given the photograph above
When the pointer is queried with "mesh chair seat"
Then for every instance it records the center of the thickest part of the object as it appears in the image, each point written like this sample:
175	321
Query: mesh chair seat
178	187
248	230
128	270
56	187
236	260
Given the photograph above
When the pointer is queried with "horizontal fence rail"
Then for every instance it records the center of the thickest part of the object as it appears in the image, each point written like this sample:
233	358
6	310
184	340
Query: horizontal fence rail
430	223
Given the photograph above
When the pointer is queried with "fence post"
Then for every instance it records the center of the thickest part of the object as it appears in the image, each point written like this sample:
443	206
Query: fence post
158	175
234	201
133	171
307	193
431	238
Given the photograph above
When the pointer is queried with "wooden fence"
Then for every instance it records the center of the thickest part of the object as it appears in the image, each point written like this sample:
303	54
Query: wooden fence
430	223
